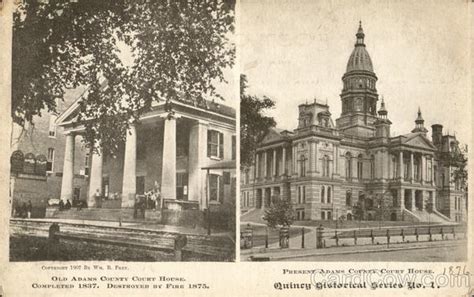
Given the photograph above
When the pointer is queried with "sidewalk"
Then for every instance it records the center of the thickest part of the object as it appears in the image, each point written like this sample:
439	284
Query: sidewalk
275	254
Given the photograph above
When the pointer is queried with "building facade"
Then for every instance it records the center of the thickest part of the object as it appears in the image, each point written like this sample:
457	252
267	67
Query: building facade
353	168
174	145
37	160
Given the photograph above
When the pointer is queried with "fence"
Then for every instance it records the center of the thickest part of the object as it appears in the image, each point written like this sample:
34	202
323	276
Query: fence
219	248
335	238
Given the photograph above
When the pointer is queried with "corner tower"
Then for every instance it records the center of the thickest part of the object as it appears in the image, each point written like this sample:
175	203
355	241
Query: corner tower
359	94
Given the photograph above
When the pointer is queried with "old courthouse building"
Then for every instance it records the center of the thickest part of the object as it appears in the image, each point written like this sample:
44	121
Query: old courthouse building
173	145
353	167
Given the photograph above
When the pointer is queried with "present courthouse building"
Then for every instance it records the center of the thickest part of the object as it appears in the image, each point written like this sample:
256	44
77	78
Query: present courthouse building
353	167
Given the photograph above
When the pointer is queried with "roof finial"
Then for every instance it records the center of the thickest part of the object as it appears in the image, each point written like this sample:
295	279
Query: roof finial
360	35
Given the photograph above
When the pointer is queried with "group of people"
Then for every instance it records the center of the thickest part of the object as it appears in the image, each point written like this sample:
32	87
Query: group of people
153	197
150	200
24	210
64	206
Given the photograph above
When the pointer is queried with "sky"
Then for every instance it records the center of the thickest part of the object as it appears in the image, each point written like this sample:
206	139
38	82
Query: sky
295	51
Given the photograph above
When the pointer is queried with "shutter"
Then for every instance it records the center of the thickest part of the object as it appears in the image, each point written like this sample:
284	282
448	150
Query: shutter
221	145
221	189
208	143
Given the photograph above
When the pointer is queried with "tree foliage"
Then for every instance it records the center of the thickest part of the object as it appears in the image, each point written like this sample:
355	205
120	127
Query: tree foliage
458	159
280	213
254	124
127	53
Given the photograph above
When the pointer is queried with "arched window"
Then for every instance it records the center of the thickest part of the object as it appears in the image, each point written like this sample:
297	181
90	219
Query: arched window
322	194
348	166
329	195
360	167
323	215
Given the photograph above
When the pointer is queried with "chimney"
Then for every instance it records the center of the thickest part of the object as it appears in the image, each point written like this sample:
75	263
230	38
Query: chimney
436	134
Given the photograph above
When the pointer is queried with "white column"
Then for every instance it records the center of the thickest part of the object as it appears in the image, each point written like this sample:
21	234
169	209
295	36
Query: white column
265	164
336	160
196	160
294	161
312	161
412	168
316	156
433	200
129	187
423	169
67	185
400	165
274	161
402	199
257	165
283	163
95	176
168	172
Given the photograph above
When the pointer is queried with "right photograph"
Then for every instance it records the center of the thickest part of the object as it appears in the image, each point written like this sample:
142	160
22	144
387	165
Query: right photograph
354	128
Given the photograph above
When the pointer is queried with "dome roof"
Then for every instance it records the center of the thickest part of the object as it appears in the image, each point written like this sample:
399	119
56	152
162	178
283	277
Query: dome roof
359	59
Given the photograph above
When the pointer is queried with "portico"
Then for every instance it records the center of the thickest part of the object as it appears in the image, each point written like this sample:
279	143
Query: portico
164	148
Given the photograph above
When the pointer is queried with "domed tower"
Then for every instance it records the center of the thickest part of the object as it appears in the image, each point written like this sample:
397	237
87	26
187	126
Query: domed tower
359	94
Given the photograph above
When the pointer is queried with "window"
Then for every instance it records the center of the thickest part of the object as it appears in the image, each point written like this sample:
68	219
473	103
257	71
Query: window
182	185
322	194
360	167
329	215
303	166
234	143
329	195
215	144
416	169
348	198
323	215
86	164
394	167
216	188
300	214
52	125
325	165
302	194
394	197
105	186
348	166
50	160
372	167
429	170
405	168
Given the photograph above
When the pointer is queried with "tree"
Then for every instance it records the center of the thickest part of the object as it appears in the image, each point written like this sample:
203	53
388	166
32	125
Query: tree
127	53
253	123
280	213
458	159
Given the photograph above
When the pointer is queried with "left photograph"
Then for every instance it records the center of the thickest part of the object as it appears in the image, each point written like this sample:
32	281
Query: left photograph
123	143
